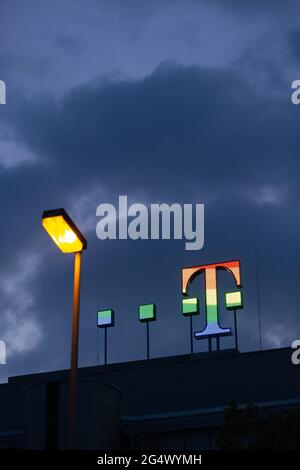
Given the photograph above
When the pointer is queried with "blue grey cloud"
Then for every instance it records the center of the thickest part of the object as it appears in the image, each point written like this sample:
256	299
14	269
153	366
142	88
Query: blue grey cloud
165	103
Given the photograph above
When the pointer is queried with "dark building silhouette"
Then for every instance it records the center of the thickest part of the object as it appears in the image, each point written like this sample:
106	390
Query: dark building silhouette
165	403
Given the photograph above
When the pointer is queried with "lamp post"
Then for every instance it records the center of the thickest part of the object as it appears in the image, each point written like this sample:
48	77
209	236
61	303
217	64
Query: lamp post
69	239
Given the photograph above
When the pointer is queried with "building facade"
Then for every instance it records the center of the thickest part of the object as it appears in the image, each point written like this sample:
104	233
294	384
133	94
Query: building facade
165	403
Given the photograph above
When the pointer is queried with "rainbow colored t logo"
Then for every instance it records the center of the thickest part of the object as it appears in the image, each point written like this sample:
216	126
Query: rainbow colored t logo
233	300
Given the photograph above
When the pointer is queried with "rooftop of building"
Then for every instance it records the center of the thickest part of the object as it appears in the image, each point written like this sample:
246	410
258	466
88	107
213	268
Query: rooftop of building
192	382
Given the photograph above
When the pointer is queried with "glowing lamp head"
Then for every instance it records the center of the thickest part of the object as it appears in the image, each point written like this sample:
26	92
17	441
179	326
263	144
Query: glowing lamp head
63	231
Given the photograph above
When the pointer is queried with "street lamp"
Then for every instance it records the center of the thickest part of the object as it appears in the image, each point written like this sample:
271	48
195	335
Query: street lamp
69	239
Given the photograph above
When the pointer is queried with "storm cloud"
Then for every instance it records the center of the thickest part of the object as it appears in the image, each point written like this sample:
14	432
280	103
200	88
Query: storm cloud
182	102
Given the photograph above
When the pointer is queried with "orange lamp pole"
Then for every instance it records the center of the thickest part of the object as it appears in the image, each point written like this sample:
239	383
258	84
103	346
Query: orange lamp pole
74	352
69	239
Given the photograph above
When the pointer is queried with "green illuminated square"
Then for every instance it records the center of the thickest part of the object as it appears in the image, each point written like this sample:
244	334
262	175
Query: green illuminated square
233	300
147	312
190	306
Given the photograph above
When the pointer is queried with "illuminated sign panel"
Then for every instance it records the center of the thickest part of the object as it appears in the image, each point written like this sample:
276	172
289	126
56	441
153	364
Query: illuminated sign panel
233	300
105	318
147	312
190	306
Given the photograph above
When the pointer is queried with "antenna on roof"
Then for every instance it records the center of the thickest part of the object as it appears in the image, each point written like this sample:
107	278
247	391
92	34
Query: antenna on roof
97	337
257	295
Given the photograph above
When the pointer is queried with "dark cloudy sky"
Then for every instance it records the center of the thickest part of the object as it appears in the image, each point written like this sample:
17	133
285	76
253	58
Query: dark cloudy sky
165	101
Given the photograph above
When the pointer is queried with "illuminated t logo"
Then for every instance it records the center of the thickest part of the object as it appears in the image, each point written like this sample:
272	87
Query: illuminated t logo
233	299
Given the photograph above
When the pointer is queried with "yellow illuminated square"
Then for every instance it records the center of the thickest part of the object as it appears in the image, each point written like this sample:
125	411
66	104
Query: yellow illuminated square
233	299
